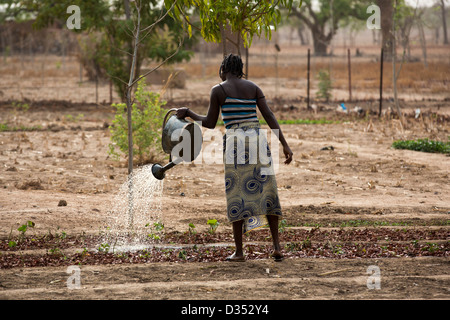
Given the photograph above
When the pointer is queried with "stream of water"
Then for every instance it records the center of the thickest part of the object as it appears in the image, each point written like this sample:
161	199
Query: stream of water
135	214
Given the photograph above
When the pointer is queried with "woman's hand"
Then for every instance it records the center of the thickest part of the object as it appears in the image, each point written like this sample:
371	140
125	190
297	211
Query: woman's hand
288	154
182	113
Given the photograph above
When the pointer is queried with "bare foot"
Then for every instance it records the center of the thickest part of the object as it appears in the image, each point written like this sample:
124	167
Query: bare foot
235	258
277	256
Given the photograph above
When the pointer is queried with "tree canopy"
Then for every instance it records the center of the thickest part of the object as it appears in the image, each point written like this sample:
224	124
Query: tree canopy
246	18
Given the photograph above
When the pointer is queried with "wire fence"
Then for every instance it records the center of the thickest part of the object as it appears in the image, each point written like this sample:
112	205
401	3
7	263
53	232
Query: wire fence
355	74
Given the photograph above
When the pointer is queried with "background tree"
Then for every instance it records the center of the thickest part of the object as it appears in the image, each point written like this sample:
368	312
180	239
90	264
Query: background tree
444	21
246	18
112	21
387	10
325	21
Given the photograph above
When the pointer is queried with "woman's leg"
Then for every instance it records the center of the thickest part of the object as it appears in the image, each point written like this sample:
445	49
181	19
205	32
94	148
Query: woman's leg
238	255
273	225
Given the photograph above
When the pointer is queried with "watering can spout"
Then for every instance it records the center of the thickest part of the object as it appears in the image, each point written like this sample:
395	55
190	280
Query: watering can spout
159	172
175	131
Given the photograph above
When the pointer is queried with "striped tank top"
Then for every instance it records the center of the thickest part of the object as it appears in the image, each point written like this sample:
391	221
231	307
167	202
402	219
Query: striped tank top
237	110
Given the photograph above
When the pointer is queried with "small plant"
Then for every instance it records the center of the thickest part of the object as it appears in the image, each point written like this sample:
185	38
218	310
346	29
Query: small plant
415	243
293	246
55	251
157	227
431	247
85	252
182	254
104	247
325	85
213	224
71	118
337	249
62	235
147	118
423	145
282	225
192	229
12	243
20	106
22	229
306	243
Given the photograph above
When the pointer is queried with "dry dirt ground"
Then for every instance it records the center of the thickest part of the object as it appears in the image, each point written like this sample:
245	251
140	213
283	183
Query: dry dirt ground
361	179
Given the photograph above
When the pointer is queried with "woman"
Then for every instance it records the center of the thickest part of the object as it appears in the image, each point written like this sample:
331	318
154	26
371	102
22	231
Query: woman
252	197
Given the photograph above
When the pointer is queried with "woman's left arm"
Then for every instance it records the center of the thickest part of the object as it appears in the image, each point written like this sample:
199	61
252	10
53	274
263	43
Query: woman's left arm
273	124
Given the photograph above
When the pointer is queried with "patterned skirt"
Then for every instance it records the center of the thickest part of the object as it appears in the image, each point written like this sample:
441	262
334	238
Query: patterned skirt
250	183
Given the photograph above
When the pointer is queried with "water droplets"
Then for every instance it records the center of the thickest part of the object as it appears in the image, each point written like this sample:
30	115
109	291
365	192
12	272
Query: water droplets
134	210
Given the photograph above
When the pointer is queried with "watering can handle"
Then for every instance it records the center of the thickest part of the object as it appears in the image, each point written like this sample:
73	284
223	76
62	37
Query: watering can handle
167	114
164	123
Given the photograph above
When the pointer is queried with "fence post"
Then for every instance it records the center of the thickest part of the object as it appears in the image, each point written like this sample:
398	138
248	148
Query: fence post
110	91
307	98
349	76
381	83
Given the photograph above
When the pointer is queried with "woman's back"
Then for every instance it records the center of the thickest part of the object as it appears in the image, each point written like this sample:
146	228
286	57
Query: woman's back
239	105
239	88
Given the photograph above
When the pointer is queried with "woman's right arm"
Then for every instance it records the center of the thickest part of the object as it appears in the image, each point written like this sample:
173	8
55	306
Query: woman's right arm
209	121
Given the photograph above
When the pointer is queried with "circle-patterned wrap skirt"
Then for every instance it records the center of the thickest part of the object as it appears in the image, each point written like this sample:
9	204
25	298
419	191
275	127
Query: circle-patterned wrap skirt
250	184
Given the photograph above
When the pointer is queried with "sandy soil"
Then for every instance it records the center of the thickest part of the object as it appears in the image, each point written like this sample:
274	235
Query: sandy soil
362	178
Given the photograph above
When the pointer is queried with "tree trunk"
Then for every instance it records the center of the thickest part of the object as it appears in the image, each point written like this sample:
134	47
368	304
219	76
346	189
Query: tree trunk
129	89
444	22
386	8
320	43
423	43
395	74
300	30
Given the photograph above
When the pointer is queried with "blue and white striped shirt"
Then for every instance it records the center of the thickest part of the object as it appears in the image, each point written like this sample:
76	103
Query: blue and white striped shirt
236	110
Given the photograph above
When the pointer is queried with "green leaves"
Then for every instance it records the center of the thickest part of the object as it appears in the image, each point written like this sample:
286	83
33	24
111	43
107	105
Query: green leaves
213	224
245	17
147	118
325	85
23	228
423	145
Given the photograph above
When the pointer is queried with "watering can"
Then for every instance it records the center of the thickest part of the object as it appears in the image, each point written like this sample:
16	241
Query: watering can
178	136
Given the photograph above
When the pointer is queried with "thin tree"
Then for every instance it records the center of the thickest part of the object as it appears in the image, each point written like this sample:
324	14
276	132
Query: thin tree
444	21
139	34
396	73
387	36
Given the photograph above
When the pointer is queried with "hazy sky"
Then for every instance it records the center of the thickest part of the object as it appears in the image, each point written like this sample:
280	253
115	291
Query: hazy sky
423	3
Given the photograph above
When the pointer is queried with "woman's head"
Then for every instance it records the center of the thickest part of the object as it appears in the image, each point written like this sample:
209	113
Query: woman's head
232	64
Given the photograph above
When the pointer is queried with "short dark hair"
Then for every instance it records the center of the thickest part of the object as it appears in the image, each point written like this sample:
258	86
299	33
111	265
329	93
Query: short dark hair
232	64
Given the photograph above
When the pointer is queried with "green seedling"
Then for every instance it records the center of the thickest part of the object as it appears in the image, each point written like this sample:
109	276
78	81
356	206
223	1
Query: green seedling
213	224
192	229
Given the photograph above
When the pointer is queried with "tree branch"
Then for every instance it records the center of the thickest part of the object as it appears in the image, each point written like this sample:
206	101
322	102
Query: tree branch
302	17
161	17
159	65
